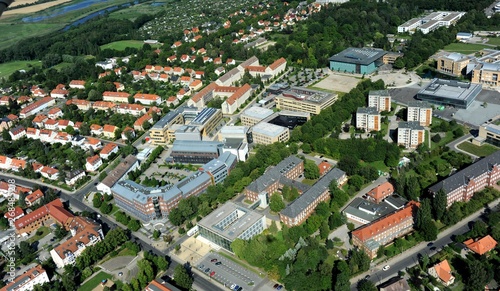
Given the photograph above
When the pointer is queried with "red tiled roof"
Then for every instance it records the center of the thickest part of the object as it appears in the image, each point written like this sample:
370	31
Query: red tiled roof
237	95
142	119
17	211
381	191
109	128
108	148
256	68
54	208
443	271
115	94
36	104
142	96
481	246
95	127
323	167
93	160
77	82
34	196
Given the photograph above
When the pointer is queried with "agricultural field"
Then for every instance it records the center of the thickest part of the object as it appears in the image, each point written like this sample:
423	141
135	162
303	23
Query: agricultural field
131	13
12	33
123	44
7	69
33	8
465	48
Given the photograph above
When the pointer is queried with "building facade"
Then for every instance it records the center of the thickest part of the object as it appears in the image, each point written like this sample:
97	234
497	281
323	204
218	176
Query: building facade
410	134
487	74
420	111
450	92
195	152
452	64
159	131
357	60
304	100
380	99
267	133
254	115
27	281
368	119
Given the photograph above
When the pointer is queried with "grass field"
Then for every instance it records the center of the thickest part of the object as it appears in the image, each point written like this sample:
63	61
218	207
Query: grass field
123	44
44	231
92	283
480	151
494	40
465	48
7	69
12	33
135	11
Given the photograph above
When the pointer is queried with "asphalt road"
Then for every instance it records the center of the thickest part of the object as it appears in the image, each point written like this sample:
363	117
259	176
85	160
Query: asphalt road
453	145
410	258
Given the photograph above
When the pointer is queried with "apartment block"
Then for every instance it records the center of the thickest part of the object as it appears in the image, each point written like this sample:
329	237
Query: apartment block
453	64
383	231
368	118
380	99
420	111
304	100
410	134
43	216
27	281
462	185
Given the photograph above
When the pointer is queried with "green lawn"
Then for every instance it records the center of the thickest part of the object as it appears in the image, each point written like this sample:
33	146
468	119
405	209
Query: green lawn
465	48
6	69
44	231
123	44
135	11
494	40
92	283
480	151
12	33
309	182
379	165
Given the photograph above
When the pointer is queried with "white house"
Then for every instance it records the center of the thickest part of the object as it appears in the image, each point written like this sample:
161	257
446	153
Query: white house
93	163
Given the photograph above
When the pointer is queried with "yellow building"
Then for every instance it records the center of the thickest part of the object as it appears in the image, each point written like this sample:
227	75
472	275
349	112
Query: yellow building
267	133
159	131
208	120
452	64
486	74
304	100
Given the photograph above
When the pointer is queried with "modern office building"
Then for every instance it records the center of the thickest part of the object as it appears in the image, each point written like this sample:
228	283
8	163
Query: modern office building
383	231
186	132
236	146
267	133
419	111
219	168
431	22
368	119
453	64
361	211
304	100
130	163
27	281
487	74
462	185
380	99
195	152
233	132
450	92
287	118
410	134
489	133
230	222
159	131
254	115
274	179
208	120
301	208
357	60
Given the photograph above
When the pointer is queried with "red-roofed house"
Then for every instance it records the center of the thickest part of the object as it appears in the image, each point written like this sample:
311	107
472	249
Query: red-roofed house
50	124
37	106
55	113
195	85
128	132
49	173
43	216
231	104
81	104
33	198
17	164
324	167
481	246
96	129
27	280
276	67
109	131
380	192
176	44
442	271
103	105
134	109
62	124
14	214
93	163
156	285
4	100
40	120
173	101
93	143
147	99
115	96
371	237
77	84
108	149
140	121
17	132
59	93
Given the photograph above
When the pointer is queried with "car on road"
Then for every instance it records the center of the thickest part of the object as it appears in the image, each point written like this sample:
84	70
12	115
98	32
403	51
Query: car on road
433	248
386	267
232	286
367	277
235	287
207	270
218	263
212	274
201	267
120	274
213	260
239	289
276	286
430	244
279	287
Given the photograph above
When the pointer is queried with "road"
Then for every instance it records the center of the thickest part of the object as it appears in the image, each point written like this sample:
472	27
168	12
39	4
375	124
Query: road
410	258
453	145
75	201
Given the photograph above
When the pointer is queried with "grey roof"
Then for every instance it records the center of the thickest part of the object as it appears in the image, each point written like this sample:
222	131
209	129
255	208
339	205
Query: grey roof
246	218
268	129
379	93
273	174
396	201
462	178
415	125
367	110
419	104
456	56
227	160
117	173
233	143
196	146
249	62
304	200
368	210
228	75
166	119
398	284
362	56
257	112
493	128
451	89
204	116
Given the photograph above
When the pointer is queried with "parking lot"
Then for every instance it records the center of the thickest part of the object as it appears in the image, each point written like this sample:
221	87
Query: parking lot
229	273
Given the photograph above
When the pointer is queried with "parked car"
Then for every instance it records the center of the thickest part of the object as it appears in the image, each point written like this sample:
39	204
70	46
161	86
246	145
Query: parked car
218	263
207	270
276	286
212	274
386	267
213	260
279	287
236	287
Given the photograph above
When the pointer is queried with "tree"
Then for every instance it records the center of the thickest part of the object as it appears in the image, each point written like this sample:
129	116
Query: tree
341	274
5	135
311	171
439	204
182	277
106	208
424	222
97	200
324	230
134	225
60	232
276	203
365	285
21	202
156	234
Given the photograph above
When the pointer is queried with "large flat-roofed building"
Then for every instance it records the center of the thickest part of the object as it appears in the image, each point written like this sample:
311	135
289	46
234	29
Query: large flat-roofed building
452	64
267	133
304	100
487	74
287	118
208	120
361	211
195	152
419	111
368	118
302	207
219	168
450	92
430	22
159	132
410	26
233	132
357	60
462	185
236	146
410	134
380	99
254	115
489	133
371	237
186	132
275	178
230	222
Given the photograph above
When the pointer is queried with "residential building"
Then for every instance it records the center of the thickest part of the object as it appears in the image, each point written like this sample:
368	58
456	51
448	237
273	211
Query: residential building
104	105
274	179
453	64
301	208
59	93
363	211
372	236
93	163
48	172
160	285
138	124
159	134
44	216
462	185
33	198
419	111
55	113
148	99
481	246
109	131
230	222
108	149
450	92
17	132
13	215
410	134
115	96
130	163
357	60
77	84
254	115
304	100
73	176
399	284
380	99
380	192
236	100
267	133
442	271
28	280
368	119
324	167
195	152
134	109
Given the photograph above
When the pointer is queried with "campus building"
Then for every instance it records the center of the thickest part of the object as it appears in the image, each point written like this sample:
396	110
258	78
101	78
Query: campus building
130	163
410	134
363	211
419	111
159	132
368	119
304	100
236	146
453	64
254	115
195	152
380	99
27	281
487	74
357	60
430	22
489	133
267	133
372	236
450	92
230	222
302	207
207	120
233	132
462	185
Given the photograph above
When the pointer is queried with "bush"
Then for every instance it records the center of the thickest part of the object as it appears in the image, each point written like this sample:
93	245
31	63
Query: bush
436	138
